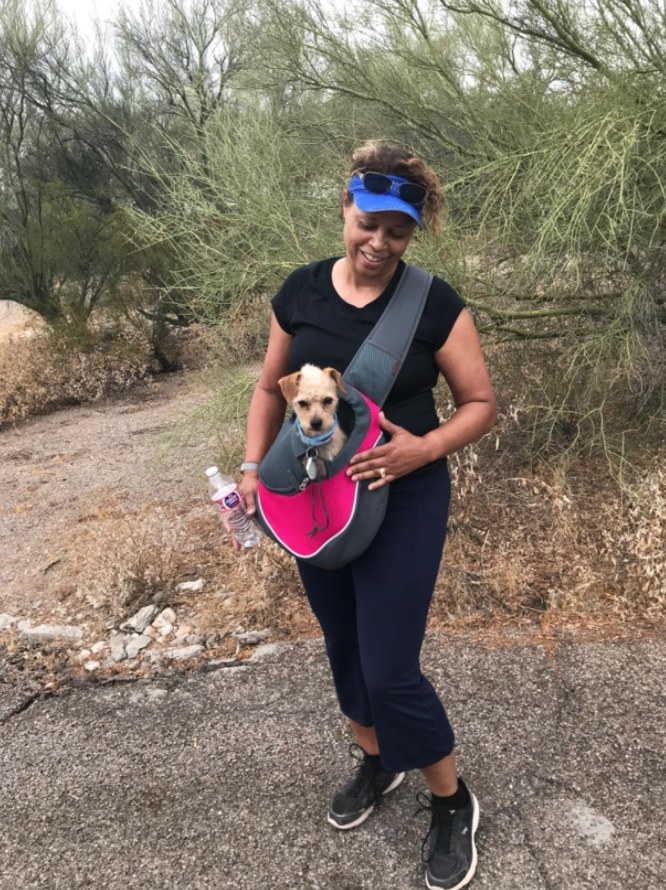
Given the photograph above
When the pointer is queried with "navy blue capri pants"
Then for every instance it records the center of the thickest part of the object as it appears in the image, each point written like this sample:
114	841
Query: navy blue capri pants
373	614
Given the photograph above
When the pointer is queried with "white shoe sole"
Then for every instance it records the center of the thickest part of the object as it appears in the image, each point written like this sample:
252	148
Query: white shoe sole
364	815
472	869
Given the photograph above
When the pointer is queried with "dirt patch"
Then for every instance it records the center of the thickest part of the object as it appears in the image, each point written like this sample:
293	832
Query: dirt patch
59	471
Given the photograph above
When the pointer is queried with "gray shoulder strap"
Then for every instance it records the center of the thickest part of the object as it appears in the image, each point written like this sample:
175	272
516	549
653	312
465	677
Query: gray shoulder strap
379	358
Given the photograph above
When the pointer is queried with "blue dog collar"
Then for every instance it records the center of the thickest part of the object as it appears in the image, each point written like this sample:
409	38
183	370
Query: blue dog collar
322	438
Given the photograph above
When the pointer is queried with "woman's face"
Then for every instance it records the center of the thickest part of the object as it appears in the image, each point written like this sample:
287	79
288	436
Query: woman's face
375	242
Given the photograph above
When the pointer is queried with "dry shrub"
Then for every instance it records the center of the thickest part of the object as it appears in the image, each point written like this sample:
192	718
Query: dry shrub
551	542
48	372
241	335
128	560
254	589
635	541
196	346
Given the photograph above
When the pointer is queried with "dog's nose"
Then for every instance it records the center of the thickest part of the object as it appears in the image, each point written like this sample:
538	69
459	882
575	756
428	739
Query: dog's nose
316	423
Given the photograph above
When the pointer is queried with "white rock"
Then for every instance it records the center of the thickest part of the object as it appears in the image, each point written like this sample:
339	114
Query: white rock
192	586
117	643
252	637
165	630
166	617
6	620
264	651
140	621
182	653
98	647
91	666
84	653
136	644
50	632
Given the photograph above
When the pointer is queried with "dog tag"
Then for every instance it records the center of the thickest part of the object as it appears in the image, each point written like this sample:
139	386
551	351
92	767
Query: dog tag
311	467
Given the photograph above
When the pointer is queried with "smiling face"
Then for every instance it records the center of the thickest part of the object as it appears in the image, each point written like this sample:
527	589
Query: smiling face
375	242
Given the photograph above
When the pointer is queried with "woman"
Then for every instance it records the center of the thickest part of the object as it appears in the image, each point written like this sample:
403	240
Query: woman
373	611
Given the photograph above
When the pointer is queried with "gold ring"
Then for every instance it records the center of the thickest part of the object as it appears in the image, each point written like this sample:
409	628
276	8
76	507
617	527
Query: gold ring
382	473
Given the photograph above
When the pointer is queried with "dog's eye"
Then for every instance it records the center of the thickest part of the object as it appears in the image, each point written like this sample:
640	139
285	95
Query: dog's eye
302	403
327	401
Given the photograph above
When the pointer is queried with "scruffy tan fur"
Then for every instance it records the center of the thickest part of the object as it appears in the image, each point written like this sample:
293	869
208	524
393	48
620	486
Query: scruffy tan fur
313	394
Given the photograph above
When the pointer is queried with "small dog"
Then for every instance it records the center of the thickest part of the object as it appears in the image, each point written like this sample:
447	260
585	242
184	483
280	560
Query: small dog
312	392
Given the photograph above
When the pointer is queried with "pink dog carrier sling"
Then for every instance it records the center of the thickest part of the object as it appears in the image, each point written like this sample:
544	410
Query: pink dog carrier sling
330	521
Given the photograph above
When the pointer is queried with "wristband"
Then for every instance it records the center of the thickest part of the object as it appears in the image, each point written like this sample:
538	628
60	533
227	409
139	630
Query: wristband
249	465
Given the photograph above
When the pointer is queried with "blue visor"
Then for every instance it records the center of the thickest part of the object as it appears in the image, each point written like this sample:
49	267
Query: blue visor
368	199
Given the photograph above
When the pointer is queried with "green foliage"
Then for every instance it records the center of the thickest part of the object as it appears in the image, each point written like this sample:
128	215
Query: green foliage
61	249
251	204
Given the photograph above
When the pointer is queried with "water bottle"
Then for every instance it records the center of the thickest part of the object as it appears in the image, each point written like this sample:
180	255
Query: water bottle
224	494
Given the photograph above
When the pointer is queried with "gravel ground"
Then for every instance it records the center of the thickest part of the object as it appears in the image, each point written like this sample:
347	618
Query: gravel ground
220	780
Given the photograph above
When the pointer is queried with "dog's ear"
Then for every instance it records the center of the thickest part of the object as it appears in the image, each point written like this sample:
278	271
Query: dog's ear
337	377
289	385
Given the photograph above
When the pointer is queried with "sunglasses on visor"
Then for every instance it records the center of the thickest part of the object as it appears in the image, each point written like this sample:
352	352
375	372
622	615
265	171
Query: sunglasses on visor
381	184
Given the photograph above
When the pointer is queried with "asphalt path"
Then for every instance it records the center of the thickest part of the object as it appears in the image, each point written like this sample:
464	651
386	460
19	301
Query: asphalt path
221	779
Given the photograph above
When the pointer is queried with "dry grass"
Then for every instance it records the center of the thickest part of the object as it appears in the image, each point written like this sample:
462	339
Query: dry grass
46	372
541	550
125	559
551	543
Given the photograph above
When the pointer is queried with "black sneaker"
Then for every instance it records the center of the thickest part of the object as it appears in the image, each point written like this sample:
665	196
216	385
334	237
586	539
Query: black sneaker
354	802
448	849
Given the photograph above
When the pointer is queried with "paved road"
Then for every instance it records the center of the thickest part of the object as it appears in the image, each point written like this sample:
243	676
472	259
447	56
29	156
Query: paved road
221	779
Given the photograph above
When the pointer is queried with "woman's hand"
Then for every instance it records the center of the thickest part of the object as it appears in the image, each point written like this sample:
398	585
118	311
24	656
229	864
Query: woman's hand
248	489
404	453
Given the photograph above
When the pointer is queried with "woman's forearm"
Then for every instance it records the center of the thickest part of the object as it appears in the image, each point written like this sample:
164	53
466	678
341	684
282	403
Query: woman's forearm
264	419
466	425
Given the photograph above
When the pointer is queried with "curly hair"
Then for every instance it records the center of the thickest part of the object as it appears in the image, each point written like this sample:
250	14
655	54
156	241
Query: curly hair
386	157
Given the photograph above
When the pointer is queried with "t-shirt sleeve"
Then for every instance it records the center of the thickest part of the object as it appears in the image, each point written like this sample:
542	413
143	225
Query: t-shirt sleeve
442	309
284	300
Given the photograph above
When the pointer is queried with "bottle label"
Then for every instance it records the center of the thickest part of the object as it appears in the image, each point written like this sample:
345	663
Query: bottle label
228	501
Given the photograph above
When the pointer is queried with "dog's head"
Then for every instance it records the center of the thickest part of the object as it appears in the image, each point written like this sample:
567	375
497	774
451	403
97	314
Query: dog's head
313	394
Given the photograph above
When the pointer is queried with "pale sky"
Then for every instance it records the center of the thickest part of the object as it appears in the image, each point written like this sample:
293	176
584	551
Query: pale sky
85	12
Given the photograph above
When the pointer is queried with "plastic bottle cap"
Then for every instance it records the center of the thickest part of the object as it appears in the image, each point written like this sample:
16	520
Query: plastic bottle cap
211	471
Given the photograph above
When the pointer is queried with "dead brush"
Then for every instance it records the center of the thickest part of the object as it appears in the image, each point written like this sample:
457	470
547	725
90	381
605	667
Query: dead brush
634	541
254	590
44	373
129	561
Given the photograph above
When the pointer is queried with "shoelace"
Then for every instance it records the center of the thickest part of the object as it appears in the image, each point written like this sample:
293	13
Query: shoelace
365	772
441	821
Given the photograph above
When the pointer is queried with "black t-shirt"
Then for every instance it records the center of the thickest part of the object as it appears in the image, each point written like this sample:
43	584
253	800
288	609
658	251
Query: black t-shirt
327	331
